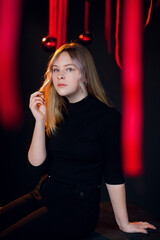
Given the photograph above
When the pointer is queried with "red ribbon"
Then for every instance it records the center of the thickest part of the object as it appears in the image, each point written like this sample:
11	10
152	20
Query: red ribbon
53	4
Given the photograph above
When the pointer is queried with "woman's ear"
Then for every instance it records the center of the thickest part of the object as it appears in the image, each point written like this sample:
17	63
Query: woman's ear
85	83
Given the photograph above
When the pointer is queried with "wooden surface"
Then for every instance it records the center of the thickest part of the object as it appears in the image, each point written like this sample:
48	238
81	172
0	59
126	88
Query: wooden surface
107	228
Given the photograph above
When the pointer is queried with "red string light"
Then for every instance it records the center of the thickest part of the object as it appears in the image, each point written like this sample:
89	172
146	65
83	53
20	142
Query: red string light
107	34
132	93
10	103
117	35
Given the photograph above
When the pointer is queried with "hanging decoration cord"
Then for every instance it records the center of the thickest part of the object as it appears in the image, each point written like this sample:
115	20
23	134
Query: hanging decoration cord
85	37
149	14
86	17
117	35
107	34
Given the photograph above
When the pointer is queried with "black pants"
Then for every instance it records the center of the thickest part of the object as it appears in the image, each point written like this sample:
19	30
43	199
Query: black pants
54	211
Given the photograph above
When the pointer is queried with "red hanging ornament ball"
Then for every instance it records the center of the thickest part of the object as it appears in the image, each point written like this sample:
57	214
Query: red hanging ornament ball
49	43
85	37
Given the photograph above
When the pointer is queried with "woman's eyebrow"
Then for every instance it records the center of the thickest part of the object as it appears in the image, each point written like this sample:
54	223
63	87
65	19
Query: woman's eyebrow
69	64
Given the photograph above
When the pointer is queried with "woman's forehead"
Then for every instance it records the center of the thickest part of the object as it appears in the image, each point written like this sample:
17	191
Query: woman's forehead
64	59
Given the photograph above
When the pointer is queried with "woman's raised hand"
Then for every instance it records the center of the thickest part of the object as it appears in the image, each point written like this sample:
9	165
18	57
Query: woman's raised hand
37	106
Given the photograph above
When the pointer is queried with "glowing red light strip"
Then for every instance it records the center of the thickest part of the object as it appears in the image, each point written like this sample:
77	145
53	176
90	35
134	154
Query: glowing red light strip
107	34
86	16
64	32
10	104
149	14
117	35
53	18
132	93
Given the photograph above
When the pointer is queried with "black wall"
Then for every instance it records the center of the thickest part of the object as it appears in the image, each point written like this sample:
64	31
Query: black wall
15	179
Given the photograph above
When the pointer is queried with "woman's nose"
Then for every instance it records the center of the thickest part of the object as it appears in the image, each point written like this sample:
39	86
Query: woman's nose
60	76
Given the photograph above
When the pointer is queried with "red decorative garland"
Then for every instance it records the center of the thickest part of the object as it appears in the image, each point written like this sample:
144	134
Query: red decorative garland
57	25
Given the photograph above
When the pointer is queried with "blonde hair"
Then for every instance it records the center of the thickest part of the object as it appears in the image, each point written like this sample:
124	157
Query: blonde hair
54	102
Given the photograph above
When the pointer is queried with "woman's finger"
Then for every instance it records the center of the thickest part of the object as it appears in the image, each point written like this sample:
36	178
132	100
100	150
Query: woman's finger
147	225
35	106
37	103
141	230
36	94
37	99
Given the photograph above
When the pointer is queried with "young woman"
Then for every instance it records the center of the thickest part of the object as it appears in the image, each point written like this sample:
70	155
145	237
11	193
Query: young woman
76	142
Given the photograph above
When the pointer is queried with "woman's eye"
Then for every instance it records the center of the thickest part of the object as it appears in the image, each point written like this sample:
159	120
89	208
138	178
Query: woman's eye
55	70
70	69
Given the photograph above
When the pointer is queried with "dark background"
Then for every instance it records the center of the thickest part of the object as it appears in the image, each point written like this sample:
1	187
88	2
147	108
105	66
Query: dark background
15	179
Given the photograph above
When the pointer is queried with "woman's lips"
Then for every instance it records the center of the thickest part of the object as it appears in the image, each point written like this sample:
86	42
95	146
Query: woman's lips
61	85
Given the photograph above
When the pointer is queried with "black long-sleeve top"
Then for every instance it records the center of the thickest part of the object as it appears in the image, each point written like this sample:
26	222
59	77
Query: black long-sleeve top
86	145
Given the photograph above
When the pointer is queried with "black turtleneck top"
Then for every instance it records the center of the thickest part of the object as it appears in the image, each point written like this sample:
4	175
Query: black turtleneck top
86	145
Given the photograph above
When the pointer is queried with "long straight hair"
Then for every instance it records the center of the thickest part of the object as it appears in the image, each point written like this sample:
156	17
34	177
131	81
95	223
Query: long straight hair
54	102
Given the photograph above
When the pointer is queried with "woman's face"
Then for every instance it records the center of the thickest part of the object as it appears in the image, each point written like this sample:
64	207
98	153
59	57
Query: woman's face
66	77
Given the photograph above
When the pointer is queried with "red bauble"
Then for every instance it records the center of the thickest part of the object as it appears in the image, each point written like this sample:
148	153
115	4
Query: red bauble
85	37
49	43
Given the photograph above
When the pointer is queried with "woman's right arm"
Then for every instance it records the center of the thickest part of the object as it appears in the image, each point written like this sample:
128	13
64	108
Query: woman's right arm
37	151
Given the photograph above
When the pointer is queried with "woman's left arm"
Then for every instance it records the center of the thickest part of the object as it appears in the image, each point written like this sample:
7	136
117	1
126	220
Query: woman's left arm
118	199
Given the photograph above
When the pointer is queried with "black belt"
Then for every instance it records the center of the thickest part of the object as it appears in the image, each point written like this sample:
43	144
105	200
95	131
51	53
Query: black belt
76	189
